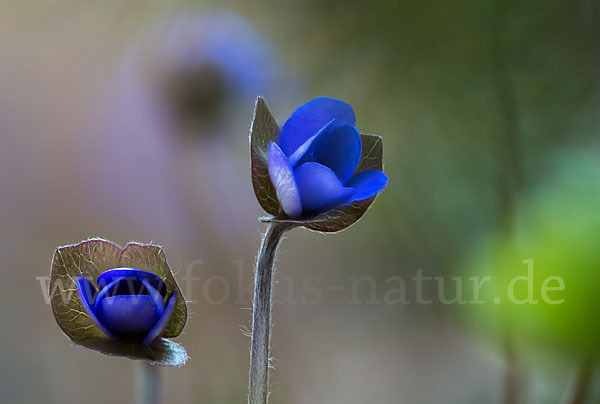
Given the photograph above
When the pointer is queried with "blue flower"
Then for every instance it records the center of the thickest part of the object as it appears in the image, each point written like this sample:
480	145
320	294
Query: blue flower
130	304
121	301
313	165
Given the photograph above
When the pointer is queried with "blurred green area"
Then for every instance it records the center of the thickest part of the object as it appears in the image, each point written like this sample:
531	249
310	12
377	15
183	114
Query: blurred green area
481	105
549	260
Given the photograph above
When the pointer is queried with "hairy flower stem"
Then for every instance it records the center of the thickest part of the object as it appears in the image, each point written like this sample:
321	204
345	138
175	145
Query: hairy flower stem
258	384
148	383
581	386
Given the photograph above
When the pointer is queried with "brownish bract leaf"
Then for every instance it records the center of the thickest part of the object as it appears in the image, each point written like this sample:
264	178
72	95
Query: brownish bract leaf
89	259
264	131
151	258
161	352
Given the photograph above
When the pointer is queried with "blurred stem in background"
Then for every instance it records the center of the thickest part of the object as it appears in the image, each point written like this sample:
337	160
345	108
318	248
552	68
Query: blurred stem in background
510	176
584	376
258	383
591	14
581	385
148	383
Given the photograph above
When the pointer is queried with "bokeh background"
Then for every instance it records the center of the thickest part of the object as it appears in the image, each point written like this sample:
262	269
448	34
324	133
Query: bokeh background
130	121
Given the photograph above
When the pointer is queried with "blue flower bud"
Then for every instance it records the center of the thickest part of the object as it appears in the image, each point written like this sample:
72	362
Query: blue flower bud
132	303
119	301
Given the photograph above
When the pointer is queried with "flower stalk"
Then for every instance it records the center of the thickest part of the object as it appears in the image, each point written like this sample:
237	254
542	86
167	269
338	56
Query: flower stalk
148	383
258	383
317	172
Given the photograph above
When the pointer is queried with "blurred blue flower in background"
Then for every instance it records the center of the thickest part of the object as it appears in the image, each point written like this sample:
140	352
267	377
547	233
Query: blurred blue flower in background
210	62
177	108
313	165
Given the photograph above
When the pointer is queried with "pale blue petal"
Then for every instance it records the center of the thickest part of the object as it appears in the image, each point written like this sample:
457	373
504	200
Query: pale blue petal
283	180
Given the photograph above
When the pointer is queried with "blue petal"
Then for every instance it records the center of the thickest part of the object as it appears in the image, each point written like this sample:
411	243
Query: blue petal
161	323
301	151
309	118
283	180
118	288
157	283
320	189
366	184
127	315
338	148
86	291
157	298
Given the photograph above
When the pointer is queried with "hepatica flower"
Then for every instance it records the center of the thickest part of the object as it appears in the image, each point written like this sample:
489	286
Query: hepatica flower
119	301
318	170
